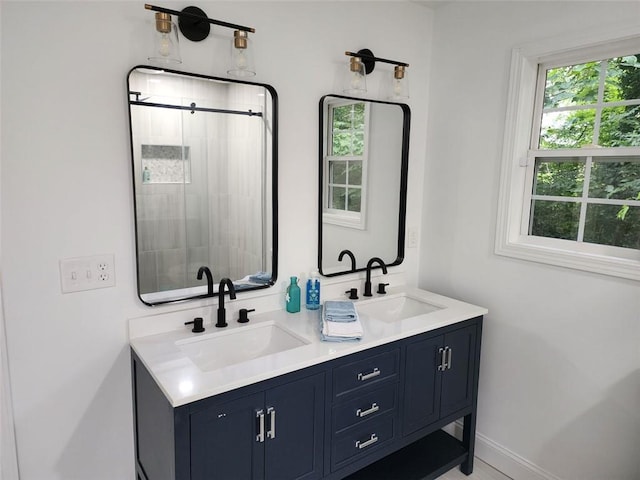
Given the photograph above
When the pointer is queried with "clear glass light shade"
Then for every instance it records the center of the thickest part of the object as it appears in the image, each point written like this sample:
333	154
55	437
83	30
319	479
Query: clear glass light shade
166	49
241	62
399	88
355	81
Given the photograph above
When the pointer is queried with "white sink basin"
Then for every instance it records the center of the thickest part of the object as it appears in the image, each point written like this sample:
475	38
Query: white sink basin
392	309
221	349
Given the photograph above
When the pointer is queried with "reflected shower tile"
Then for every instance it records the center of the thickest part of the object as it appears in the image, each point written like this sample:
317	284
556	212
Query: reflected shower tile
197	233
172	265
147	272
196	258
145	231
169	234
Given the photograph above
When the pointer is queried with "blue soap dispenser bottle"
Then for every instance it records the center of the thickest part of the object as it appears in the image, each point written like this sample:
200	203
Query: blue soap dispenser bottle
313	292
293	296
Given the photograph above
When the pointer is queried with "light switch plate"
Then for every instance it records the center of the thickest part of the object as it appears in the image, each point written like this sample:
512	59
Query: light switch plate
87	273
412	237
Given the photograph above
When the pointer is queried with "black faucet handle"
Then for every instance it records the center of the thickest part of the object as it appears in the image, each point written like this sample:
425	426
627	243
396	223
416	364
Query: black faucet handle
197	325
353	293
244	315
381	288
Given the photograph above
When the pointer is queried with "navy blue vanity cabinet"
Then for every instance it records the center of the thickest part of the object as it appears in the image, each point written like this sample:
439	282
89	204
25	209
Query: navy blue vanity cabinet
377	414
439	383
272	435
364	405
271	430
438	377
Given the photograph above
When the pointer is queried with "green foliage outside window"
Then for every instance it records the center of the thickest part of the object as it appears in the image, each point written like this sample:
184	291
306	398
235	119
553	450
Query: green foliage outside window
347	140
348	124
581	110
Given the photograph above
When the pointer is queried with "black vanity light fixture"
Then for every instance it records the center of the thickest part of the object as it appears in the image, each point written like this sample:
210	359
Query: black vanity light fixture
196	26
363	62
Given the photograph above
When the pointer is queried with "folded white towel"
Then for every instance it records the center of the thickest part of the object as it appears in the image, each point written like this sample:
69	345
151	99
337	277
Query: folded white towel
343	329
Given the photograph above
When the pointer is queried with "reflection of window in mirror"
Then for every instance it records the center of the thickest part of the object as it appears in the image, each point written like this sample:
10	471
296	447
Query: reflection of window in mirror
346	163
165	164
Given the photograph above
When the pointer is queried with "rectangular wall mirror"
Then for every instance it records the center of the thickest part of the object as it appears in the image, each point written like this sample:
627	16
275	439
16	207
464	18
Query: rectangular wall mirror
364	155
204	153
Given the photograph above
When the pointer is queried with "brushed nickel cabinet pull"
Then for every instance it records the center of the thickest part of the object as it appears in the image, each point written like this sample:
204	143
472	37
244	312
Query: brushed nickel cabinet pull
260	418
442	366
366	443
271	433
363	413
366	376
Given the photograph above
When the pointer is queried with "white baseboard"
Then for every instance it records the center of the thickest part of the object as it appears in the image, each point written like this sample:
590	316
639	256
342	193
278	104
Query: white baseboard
503	459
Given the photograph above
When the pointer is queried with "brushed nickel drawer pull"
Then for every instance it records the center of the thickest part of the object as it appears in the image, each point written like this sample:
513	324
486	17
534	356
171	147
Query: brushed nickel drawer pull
260	418
363	413
443	361
362	377
271	433
365	444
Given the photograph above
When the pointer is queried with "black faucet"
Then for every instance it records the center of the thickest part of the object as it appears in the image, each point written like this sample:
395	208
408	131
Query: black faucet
207	272
350	254
367	283
222	320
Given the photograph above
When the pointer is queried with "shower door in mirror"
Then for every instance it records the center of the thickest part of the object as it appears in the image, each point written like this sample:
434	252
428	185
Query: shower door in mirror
204	157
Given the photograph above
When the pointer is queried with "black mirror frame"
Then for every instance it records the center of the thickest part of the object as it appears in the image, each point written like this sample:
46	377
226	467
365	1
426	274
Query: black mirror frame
274	184
402	213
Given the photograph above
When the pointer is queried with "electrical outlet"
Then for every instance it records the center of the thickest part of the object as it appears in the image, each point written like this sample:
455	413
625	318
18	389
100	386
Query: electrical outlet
412	237
87	273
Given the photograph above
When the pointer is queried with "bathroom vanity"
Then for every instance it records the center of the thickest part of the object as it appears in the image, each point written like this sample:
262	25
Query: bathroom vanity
270	400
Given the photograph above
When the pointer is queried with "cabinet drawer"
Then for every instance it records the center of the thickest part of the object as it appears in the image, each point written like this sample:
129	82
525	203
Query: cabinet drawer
366	407
362	373
361	440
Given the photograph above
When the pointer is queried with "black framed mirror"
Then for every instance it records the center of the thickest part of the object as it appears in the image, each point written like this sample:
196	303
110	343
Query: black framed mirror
204	158
363	160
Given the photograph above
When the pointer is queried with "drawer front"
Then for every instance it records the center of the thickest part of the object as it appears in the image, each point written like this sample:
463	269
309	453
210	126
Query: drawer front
363	373
361	440
371	405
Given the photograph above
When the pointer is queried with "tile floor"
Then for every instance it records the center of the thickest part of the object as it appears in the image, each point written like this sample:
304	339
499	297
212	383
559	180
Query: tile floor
481	471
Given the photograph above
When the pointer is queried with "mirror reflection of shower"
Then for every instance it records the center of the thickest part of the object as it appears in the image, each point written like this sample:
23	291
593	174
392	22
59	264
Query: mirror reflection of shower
203	187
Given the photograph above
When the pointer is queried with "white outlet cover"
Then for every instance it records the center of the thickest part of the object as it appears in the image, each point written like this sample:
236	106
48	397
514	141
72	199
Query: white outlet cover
87	273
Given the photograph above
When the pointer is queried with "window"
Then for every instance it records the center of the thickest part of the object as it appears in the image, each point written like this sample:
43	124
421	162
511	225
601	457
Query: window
346	163
570	190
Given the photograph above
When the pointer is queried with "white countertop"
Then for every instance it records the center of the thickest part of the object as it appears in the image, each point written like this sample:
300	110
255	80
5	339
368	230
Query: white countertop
184	382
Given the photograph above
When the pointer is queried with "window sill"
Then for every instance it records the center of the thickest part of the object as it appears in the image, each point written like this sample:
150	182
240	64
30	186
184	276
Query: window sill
525	249
344	220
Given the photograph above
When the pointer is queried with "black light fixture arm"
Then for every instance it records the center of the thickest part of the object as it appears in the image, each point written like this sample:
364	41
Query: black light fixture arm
369	59
199	18
365	56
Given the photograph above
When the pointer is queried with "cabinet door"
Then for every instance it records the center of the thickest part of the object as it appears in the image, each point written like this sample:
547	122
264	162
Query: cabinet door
421	384
223	441
457	379
294	425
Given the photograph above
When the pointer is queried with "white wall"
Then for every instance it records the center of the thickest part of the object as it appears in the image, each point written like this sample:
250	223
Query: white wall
66	190
560	370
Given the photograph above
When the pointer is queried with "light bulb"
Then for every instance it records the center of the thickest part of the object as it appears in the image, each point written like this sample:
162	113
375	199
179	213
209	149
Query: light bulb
399	84
241	59
165	40
164	47
397	87
356	81
241	56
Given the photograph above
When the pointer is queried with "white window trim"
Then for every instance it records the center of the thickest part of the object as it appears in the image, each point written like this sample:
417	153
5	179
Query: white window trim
511	238
356	220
